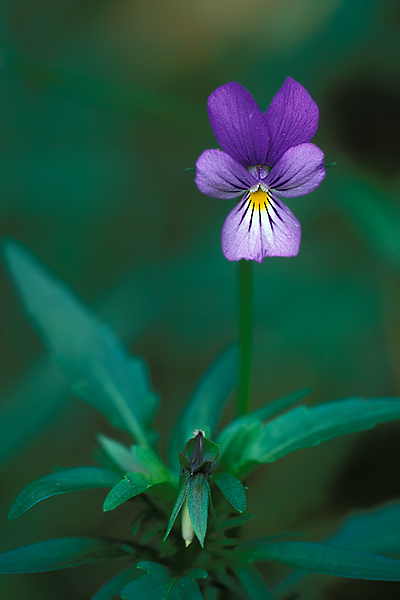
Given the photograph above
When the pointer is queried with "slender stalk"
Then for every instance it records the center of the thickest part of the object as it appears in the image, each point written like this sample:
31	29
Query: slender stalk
245	317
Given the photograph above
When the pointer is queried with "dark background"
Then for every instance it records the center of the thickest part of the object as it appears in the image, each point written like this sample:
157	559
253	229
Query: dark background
102	108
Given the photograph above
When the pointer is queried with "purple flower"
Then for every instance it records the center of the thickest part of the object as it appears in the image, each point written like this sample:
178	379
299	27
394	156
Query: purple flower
265	155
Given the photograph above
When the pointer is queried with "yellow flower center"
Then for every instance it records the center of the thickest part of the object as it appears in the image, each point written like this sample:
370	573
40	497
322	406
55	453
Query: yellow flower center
259	199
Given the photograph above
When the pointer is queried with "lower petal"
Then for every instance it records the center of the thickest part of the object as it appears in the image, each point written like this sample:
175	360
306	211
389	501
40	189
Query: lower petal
254	231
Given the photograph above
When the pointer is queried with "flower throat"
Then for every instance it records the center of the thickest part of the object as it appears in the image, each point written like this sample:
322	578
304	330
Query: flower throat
259	199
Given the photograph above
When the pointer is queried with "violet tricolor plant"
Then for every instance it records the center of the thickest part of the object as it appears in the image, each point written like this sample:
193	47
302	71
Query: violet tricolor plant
185	537
265	155
182	542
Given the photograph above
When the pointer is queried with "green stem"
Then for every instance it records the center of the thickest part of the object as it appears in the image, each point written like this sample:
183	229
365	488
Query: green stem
245	316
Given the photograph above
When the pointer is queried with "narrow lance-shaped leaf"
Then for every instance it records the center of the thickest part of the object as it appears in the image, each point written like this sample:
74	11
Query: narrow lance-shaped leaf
207	403
120	455
44	387
61	482
232	489
130	486
141	466
183	488
375	530
370	531
328	560
59	554
197	499
227	435
235	448
303	427
90	353
134	484
156	583
149	462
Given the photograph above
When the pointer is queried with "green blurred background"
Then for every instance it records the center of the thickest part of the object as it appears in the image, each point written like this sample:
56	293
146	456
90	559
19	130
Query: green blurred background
102	108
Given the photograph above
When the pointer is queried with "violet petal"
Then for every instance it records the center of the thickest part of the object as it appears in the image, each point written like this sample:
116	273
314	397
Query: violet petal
220	176
298	172
238	124
292	119
254	234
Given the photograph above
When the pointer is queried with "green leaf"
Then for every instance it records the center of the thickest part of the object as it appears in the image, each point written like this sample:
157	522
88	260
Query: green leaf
234	448
329	560
132	485
227	435
207	403
92	356
232	489
43	386
303	426
59	554
375	530
156	584
252	582
149	462
197	499
119	454
273	408
113	587
371	531
61	482
183	488
138	460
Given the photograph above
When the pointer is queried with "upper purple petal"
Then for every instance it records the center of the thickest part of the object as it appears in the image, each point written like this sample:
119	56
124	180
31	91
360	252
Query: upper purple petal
254	233
298	172
292	119
220	176
239	124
